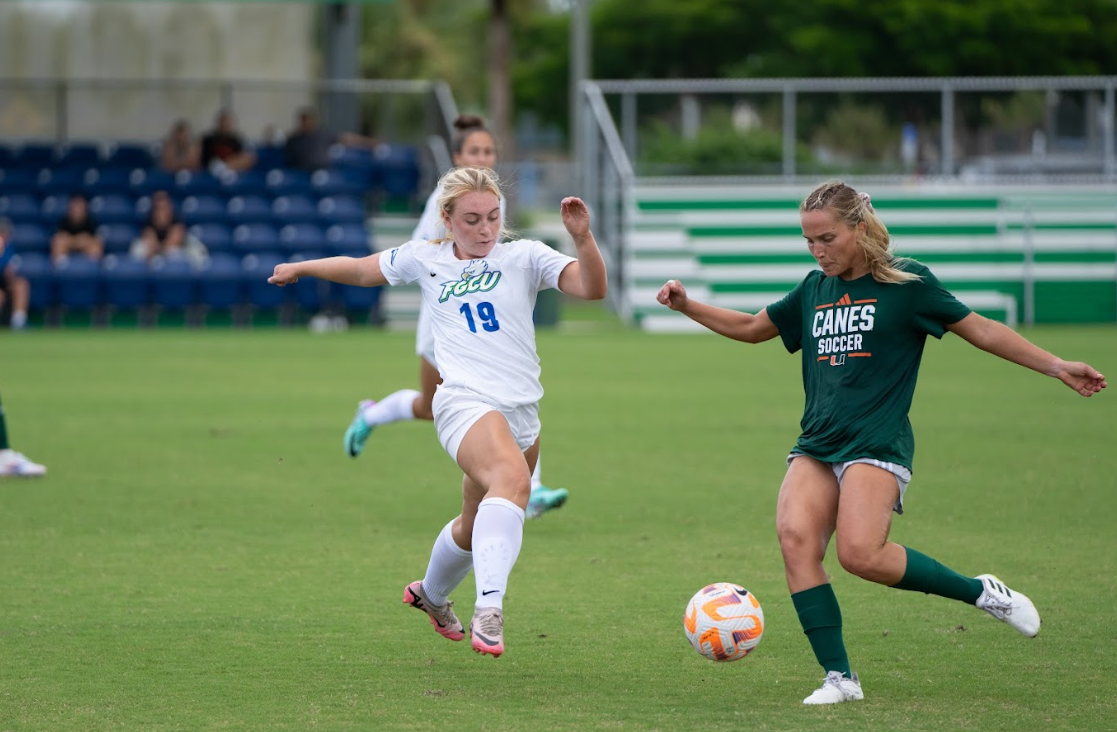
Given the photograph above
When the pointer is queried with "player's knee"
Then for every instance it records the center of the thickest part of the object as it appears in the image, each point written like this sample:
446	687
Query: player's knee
858	557
797	543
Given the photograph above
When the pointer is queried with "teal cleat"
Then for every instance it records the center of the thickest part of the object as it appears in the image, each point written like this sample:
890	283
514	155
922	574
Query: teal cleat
357	433
544	499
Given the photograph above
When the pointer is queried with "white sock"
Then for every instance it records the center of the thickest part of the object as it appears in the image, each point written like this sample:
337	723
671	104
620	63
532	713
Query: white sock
19	318
395	407
536	481
448	566
498	533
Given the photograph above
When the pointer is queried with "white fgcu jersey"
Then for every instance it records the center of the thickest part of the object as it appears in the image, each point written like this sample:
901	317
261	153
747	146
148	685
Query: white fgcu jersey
480	312
431	227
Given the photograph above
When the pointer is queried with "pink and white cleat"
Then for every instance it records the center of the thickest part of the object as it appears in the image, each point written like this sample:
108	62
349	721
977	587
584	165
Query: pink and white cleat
487	630
442	618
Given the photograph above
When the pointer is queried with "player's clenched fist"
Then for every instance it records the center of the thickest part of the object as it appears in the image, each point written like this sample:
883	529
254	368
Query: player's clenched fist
672	294
284	274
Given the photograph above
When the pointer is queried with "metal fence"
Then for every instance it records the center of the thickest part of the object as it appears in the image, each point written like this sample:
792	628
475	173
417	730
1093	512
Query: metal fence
1045	129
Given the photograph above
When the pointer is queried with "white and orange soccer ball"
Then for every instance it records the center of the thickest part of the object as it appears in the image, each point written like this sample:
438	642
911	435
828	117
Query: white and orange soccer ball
724	621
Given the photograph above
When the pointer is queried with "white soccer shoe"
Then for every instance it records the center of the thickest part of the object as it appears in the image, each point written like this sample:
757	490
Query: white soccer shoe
1008	605
836	688
16	465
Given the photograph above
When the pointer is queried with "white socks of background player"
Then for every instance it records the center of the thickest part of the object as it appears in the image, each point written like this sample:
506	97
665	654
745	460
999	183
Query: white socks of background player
449	564
498	533
536	481
395	407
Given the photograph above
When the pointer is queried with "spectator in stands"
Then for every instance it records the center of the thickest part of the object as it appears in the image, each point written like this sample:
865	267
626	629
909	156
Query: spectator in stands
223	148
308	145
164	234
12	286
181	150
77	232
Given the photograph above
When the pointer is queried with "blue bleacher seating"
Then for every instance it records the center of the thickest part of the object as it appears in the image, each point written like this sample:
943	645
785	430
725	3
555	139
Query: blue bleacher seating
220	283
18	180
294	210
312	293
101	181
255	238
175	283
256	269
60	181
113	209
6	154
52	209
399	170
270	157
201	183
31	237
217	237
339	182
79	282
126	282
20	208
284	182
118	237
145	182
33	155
359	298
35	266
129	156
204	210
341	237
249	183
301	237
355	158
249	210
78	155
341	210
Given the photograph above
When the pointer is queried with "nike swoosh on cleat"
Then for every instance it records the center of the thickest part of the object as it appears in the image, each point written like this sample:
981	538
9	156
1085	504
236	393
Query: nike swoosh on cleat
486	641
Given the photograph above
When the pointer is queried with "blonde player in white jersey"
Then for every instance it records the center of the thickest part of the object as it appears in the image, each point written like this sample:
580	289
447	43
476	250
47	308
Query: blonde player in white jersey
480	293
472	146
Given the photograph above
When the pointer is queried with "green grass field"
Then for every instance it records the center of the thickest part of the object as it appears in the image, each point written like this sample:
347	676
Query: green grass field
202	556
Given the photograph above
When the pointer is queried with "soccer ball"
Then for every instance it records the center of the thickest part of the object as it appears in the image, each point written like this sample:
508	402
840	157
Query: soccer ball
723	621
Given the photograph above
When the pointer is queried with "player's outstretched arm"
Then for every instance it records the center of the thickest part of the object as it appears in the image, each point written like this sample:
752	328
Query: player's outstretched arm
586	278
361	271
1000	340
723	321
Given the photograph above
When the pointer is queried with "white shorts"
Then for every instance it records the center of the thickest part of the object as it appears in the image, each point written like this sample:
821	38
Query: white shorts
424	337
456	410
902	474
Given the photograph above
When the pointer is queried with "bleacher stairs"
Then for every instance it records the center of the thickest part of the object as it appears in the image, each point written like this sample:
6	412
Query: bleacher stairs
1042	255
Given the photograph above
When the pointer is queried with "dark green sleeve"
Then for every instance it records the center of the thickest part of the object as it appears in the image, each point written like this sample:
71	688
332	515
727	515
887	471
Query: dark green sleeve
787	315
935	307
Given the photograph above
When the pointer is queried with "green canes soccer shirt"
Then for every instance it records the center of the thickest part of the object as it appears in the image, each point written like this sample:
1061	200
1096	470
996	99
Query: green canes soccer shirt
862	342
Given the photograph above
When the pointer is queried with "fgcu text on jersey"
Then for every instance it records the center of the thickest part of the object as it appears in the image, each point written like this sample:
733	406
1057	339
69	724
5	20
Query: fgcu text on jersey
838	326
476	277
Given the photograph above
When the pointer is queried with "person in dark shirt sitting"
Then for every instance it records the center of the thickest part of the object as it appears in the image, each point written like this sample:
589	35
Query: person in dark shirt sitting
77	232
308	145
223	147
164	234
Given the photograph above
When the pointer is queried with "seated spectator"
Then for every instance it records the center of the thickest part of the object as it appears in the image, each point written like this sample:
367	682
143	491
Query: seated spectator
12	286
223	148
164	234
181	151
308	145
77	232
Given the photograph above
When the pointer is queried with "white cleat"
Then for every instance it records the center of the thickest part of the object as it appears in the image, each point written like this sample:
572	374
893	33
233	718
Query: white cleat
1008	605
836	688
16	465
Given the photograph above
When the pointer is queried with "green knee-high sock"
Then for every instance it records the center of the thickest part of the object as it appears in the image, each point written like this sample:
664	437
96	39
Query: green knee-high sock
924	574
821	619
3	430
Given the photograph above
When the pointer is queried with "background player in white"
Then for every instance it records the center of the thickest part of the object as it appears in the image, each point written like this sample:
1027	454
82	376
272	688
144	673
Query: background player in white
480	293
475	147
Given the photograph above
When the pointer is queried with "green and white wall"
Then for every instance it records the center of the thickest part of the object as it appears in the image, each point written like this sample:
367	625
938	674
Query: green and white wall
1027	254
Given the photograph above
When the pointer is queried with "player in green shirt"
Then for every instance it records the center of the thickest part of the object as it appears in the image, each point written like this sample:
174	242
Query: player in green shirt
861	323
